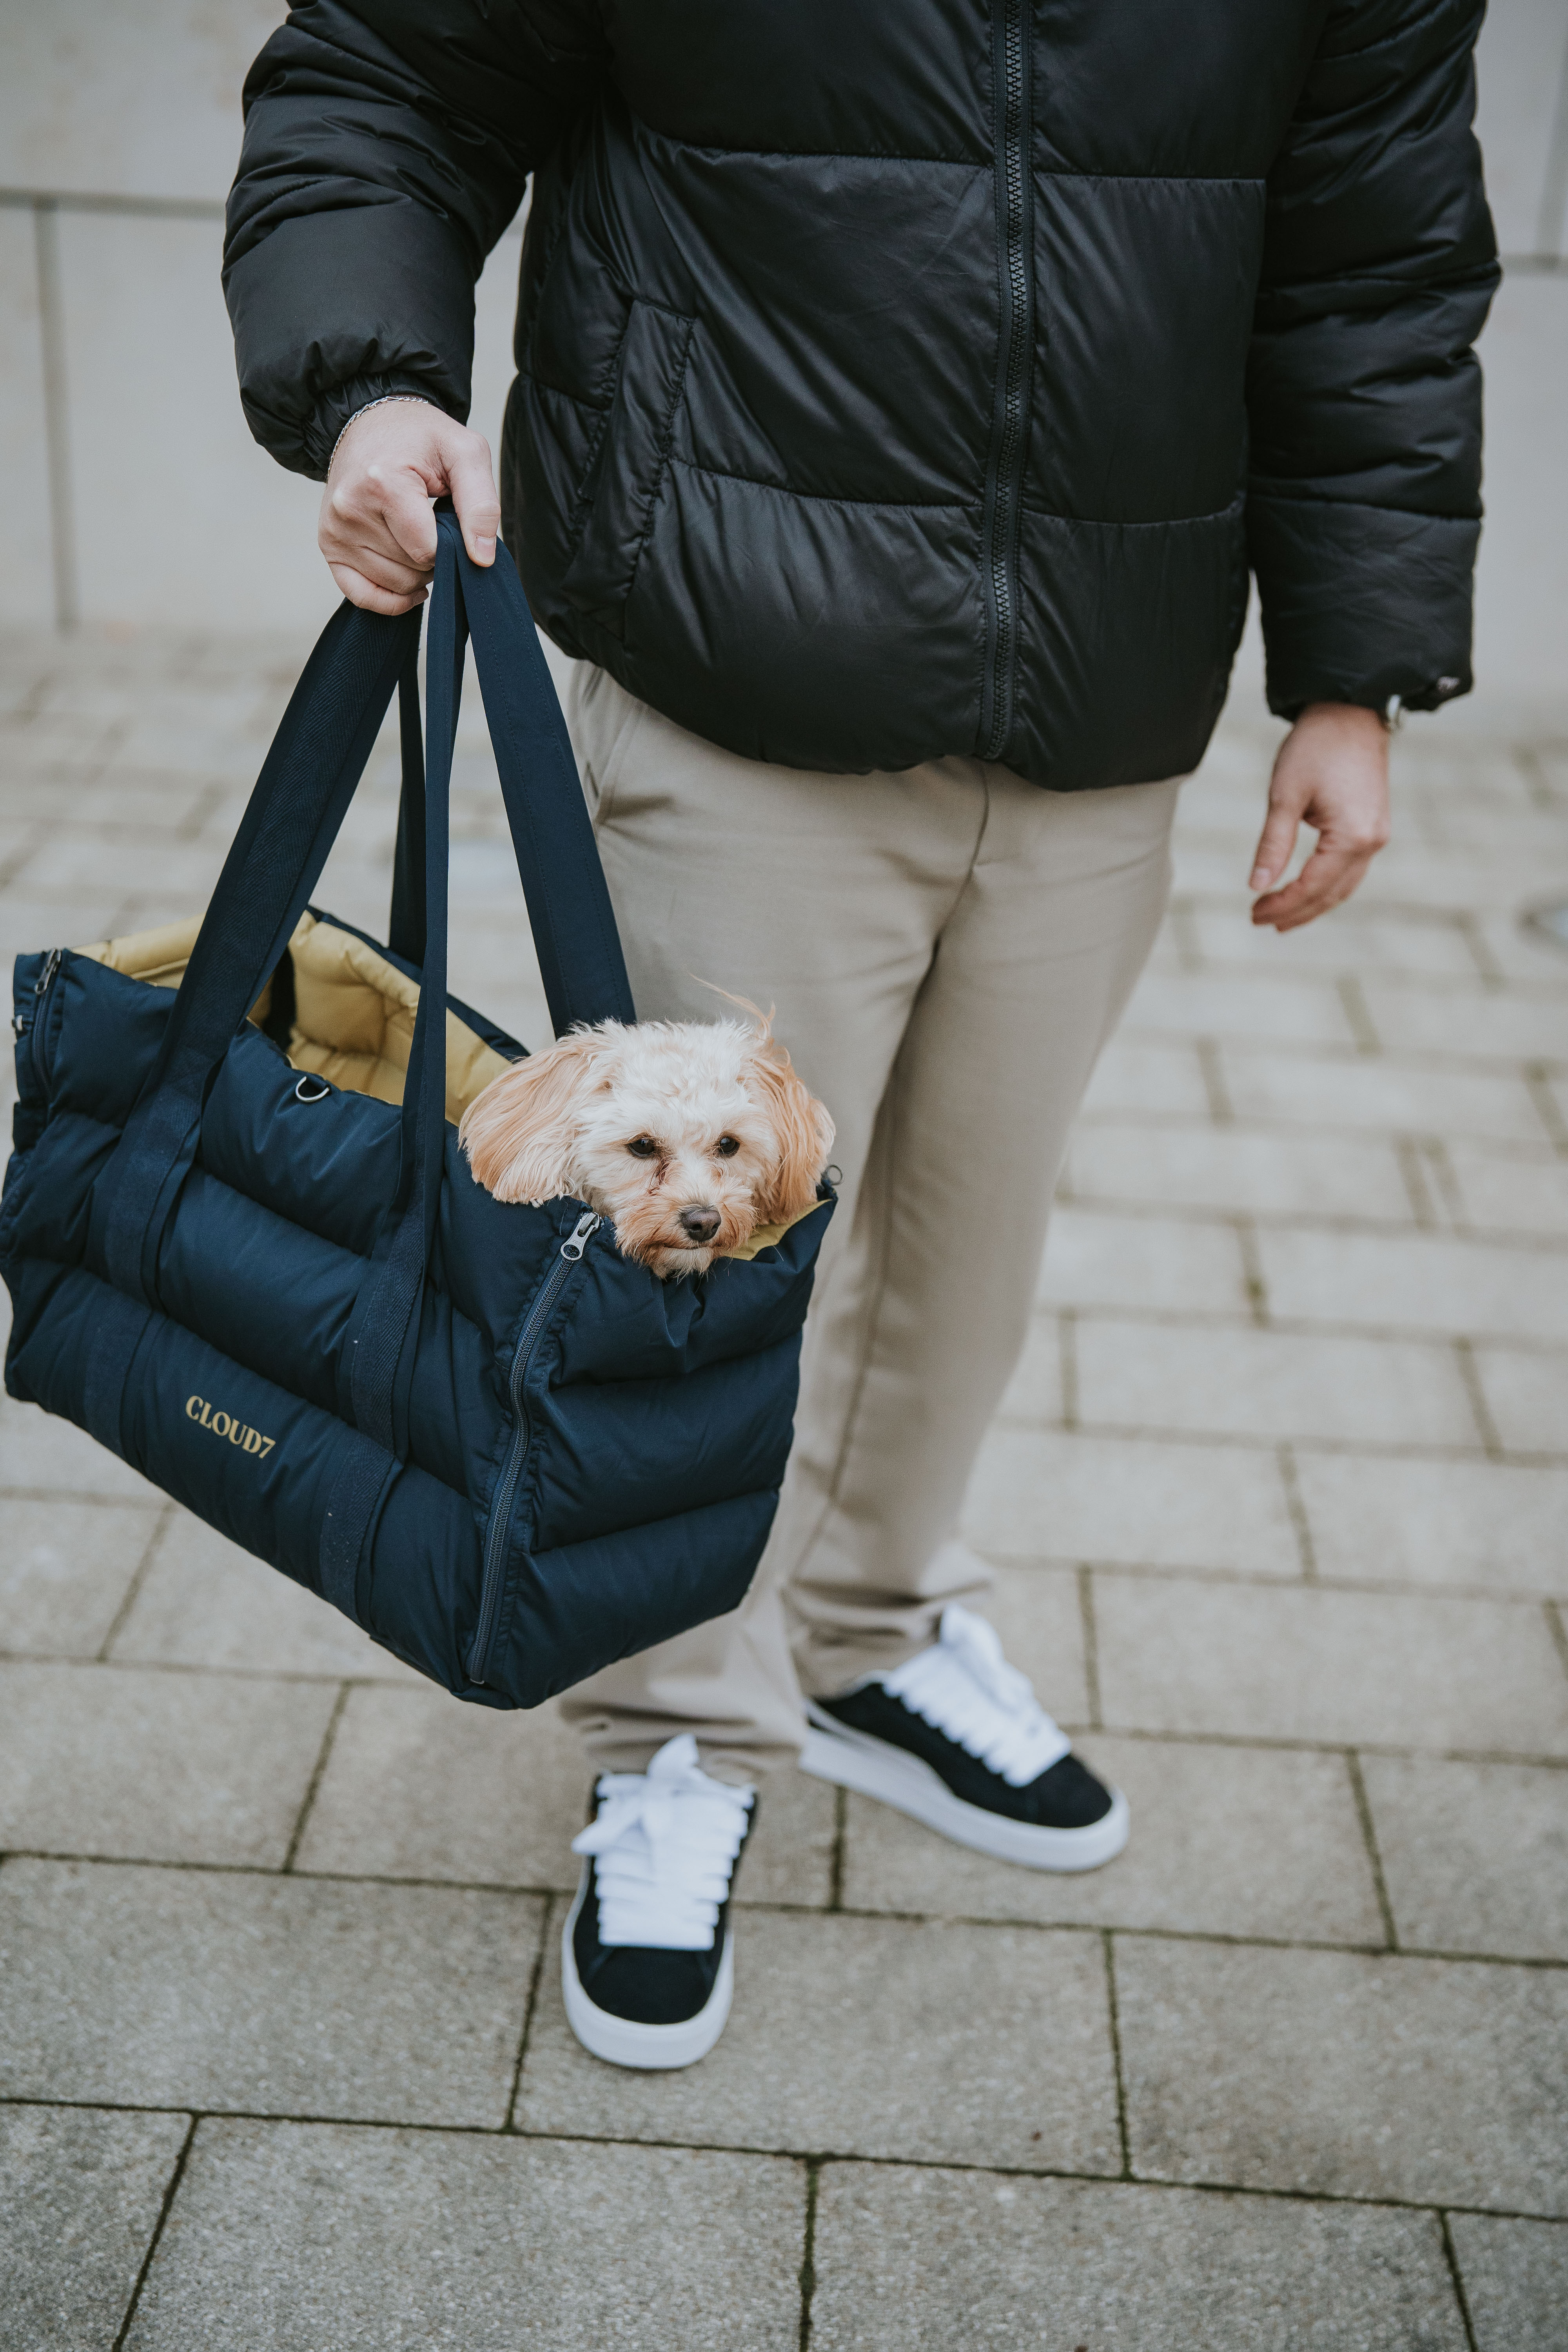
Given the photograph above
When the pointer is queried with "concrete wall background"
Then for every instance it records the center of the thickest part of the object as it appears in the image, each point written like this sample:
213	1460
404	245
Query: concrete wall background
131	494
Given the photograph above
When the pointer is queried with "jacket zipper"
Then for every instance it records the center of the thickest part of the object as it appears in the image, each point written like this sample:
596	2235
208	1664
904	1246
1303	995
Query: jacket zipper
1001	554
493	1578
32	1026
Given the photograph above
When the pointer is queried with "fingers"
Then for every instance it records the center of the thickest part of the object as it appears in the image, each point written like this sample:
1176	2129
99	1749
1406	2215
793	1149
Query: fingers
397	495
1329	877
473	493
360	545
390	571
369	595
1275	844
1331	774
377	526
381	512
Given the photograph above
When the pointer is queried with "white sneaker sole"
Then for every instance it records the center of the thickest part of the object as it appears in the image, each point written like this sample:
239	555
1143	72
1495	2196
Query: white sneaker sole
622	2040
874	1768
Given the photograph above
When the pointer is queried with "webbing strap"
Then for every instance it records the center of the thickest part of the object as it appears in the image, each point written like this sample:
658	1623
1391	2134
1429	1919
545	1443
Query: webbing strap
307	781
117	1328
363	1479
406	924
399	1278
569	910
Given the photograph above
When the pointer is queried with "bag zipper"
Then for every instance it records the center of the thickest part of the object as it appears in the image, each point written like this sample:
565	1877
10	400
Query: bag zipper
24	1026
1002	551
571	1254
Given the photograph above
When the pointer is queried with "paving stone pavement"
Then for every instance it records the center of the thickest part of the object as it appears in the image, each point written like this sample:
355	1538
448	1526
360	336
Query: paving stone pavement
1278	1506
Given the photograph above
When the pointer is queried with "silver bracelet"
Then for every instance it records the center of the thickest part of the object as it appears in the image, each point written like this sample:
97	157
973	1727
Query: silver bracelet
386	400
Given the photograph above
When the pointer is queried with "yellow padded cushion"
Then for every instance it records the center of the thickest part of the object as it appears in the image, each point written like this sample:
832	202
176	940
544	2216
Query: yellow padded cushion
354	1021
354	1010
765	1236
159	956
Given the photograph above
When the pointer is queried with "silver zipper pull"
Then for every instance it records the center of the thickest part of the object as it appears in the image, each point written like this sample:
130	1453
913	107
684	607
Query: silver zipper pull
582	1233
20	1024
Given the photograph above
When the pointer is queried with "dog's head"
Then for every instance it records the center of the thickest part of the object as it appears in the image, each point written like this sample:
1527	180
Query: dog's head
687	1135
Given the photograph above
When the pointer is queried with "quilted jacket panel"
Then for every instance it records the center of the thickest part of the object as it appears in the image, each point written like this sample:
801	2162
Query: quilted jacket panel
903	382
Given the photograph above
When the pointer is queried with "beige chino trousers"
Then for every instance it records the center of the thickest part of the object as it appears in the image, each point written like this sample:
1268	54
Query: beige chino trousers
948	948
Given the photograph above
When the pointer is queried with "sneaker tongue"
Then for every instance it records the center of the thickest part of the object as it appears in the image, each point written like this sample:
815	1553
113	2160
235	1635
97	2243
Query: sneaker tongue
650	1800
976	1644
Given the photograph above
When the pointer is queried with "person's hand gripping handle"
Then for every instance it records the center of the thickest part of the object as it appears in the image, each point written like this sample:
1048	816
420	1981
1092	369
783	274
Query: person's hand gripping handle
377	528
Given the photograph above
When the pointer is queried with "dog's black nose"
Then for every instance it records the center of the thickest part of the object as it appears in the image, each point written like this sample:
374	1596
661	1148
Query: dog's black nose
699	1223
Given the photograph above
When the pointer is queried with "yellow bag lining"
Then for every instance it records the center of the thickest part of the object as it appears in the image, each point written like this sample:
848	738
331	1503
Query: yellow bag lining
354	1010
764	1236
353	1019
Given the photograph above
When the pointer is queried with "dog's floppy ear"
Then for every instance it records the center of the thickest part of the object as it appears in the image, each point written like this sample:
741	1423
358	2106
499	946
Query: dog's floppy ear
520	1133
803	1132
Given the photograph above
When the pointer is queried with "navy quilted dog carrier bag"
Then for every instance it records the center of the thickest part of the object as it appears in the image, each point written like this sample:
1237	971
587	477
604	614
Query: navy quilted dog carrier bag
246	1254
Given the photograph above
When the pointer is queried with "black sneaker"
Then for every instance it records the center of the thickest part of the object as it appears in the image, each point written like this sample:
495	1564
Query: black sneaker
956	1737
648	1955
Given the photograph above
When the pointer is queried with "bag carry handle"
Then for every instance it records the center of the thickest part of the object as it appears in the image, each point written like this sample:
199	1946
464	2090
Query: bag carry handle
569	910
389	1300
381	1365
295	812
405	921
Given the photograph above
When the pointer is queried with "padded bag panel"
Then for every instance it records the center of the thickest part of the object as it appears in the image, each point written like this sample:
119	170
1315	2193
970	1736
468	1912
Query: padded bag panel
634	1329
671	1577
251	1459
712	1437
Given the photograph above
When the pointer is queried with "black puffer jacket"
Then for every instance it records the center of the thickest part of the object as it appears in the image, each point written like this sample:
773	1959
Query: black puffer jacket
898	380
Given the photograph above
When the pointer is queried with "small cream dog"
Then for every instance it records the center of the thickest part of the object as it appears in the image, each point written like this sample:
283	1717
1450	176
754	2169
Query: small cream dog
687	1135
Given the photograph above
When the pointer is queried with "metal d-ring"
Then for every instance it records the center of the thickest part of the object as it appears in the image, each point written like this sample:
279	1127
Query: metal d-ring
319	1088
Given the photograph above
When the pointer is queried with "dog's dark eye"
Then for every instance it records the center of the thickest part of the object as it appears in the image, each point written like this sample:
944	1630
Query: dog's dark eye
727	1146
643	1147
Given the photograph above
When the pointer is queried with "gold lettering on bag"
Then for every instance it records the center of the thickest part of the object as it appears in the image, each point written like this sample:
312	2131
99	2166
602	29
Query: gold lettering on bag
227	1424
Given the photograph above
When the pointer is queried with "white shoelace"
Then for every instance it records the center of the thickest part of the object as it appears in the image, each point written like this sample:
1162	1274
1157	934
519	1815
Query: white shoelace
665	1842
962	1686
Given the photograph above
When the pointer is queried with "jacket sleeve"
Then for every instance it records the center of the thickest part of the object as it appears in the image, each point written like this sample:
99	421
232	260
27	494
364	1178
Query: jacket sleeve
1363	393
387	144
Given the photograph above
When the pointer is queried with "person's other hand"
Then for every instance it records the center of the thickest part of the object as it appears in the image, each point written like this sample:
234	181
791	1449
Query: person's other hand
377	530
1331	774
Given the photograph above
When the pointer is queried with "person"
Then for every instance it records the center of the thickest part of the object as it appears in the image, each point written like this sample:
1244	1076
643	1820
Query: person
903	398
